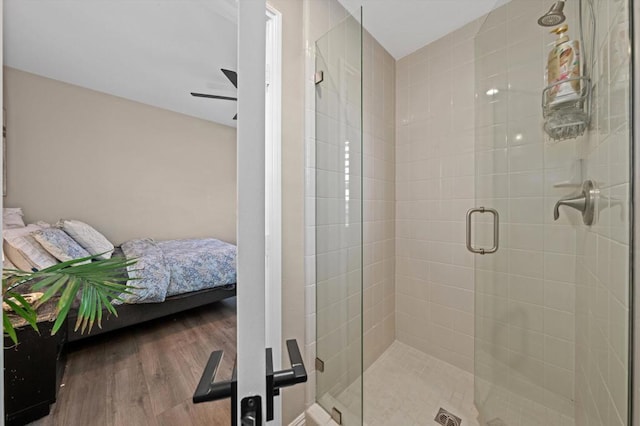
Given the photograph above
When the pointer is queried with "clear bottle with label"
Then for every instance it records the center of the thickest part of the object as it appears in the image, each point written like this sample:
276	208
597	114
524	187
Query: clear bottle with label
564	69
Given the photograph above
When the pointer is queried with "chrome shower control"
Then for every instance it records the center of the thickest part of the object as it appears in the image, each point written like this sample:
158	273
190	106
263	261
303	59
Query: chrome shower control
584	202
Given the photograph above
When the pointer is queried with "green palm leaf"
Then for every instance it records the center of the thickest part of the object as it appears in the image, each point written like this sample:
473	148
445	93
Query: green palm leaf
98	282
8	327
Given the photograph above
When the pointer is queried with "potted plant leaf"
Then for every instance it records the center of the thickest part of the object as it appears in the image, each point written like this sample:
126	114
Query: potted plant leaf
97	282
33	368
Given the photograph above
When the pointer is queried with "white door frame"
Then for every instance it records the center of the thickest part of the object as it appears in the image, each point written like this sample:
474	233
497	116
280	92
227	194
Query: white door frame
251	203
273	183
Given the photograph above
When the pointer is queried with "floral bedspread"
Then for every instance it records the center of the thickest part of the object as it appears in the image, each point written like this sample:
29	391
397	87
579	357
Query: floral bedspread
167	268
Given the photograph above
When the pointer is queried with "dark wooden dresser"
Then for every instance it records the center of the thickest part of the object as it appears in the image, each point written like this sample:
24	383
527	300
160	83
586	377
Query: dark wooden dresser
33	369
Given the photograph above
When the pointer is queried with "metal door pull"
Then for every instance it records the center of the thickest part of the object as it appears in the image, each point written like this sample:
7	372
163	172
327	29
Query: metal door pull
496	230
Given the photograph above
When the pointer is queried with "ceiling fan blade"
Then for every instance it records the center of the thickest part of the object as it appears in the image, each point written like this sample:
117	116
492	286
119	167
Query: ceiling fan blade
232	76
205	95
235	117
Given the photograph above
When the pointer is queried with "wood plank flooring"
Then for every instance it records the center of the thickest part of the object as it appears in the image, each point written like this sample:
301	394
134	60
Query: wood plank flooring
146	374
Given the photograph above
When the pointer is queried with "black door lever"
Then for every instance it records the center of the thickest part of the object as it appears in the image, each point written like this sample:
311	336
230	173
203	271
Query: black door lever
210	390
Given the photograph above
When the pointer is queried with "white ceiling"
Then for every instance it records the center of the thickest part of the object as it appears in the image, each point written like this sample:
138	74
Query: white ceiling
404	26
154	52
157	51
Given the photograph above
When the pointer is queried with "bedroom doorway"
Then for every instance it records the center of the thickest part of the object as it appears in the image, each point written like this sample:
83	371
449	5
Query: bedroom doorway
271	177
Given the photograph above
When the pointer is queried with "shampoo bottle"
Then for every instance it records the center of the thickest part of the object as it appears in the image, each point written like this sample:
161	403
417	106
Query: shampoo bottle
563	64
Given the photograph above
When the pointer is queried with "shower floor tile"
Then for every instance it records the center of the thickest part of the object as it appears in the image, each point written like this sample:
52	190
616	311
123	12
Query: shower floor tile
407	387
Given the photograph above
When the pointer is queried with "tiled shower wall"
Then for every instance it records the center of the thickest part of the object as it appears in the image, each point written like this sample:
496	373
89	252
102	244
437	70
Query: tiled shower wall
379	189
434	188
379	168
527	305
525	293
602	273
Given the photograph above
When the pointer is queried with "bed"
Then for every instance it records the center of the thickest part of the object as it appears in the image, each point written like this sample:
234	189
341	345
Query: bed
169	277
131	314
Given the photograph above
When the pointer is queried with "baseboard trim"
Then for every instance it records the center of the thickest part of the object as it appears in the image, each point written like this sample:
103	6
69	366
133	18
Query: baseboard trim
298	421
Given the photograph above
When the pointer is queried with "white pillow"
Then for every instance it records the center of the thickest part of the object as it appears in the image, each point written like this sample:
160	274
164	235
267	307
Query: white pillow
21	240
14	256
12	218
85	235
6	264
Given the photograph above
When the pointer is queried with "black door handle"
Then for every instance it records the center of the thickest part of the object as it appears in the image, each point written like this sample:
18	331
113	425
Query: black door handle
294	375
210	390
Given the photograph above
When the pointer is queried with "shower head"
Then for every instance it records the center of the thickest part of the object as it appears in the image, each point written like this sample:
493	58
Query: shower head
554	16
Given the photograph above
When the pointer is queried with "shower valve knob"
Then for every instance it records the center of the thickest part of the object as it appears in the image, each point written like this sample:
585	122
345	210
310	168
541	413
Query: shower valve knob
579	203
584	202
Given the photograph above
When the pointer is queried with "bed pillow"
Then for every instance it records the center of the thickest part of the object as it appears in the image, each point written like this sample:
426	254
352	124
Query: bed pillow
12	218
6	264
60	244
88	238
14	256
24	251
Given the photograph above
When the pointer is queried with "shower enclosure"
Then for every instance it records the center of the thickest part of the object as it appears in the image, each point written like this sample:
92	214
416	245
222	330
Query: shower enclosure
552	304
551	284
338	220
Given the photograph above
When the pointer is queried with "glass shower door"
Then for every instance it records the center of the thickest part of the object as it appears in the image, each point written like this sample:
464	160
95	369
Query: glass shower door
338	221
552	303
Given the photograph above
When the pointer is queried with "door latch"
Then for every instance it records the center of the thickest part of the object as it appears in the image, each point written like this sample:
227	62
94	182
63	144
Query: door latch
251	411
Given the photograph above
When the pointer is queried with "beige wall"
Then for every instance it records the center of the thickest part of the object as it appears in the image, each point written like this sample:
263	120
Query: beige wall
434	187
129	169
293	301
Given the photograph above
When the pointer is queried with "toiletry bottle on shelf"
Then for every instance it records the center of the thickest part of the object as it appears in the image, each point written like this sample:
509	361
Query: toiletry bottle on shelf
562	66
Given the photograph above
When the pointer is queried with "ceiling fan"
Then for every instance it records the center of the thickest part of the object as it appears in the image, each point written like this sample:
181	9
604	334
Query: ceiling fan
233	78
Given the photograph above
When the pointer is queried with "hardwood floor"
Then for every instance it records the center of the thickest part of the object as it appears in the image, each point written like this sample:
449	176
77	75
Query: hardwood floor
146	374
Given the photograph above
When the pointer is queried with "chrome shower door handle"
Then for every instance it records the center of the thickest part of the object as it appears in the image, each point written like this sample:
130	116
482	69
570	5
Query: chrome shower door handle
496	232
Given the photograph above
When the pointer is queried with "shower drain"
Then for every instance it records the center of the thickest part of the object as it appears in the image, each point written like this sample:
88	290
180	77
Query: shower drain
445	418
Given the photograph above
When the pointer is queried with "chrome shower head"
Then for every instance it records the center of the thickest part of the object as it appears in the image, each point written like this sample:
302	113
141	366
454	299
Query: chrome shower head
554	16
